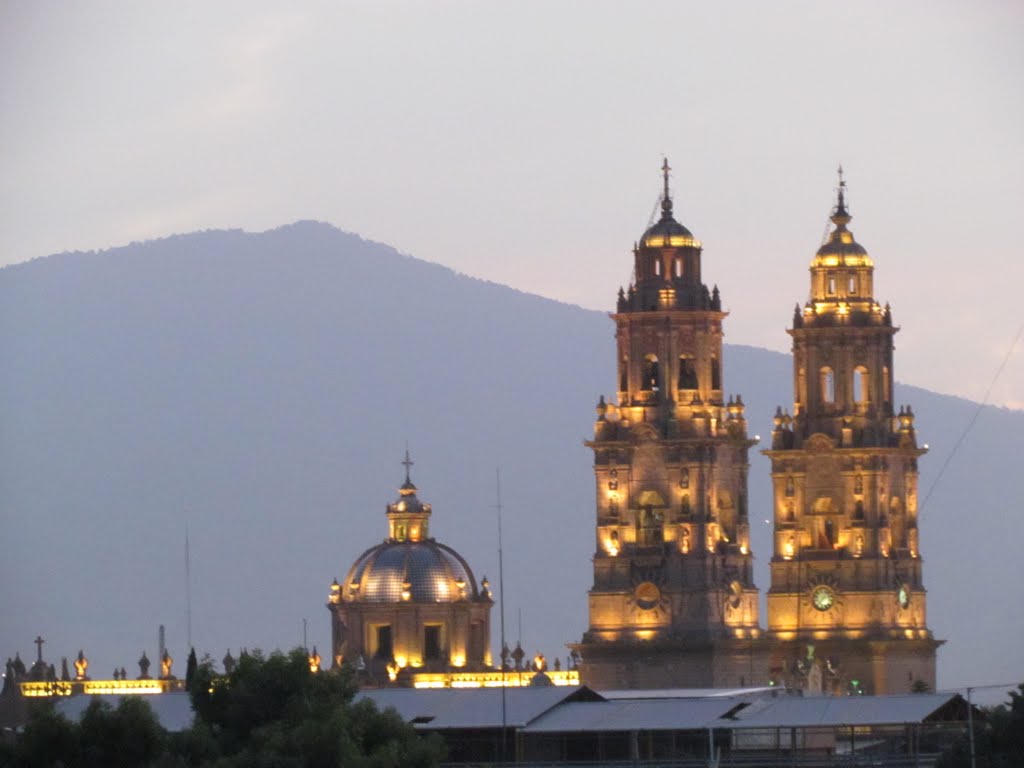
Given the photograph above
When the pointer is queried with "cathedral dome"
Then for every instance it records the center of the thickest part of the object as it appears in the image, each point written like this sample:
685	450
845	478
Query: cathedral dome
411	571
841	250
669	233
410	567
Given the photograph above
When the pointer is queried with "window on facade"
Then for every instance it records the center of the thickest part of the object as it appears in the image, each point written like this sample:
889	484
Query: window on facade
385	649
716	373
687	372
623	379
652	374
830	285
885	385
860	384
657	267
852	287
828	385
679	267
432	642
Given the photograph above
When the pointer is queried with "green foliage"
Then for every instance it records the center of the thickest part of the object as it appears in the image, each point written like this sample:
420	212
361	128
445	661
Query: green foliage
998	738
128	735
275	713
48	739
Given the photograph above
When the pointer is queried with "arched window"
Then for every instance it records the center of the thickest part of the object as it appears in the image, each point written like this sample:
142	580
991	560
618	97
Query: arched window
657	267
623	378
830	288
827	385
679	267
801	385
885	385
652	374
860	385
852	286
687	372
716	373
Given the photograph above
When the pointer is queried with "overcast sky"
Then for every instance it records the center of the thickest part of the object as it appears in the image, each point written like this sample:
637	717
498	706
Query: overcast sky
520	142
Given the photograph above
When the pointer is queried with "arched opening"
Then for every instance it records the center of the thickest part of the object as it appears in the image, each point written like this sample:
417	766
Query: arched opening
623	378
860	385
432	642
679	267
827	384
830	288
801	385
657	267
852	287
687	372
651	374
716	373
885	385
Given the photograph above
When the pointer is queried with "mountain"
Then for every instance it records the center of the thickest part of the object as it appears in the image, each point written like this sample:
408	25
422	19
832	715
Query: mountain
260	389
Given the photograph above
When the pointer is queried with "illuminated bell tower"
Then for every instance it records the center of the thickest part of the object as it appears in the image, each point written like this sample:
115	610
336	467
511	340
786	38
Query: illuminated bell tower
846	607
673	603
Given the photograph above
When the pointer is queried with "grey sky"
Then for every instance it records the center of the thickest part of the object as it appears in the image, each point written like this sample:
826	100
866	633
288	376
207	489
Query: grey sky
520	142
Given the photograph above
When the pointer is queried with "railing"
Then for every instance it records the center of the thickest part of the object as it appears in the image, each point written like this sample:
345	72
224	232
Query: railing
767	760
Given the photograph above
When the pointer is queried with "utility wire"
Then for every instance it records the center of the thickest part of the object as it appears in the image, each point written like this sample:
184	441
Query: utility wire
974	418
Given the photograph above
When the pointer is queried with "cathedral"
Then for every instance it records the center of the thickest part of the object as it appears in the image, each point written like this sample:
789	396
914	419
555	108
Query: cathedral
846	606
410	603
673	602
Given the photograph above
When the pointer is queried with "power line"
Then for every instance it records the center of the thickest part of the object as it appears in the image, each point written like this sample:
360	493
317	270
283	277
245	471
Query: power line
974	418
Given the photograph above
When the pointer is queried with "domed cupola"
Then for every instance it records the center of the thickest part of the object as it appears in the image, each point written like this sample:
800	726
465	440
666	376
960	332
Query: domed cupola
666	265
411	600
842	276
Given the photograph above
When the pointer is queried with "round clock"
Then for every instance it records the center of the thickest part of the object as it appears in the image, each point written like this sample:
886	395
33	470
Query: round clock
646	594
903	596
822	598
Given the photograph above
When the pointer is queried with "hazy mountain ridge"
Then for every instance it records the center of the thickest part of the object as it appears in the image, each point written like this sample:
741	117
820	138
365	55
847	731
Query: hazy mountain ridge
267	384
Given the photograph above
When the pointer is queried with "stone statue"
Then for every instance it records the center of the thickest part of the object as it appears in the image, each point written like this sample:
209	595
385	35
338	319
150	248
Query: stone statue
165	666
81	666
144	667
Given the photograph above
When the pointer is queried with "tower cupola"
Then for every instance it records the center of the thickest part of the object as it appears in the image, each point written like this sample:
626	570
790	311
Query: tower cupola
666	264
408	518
842	273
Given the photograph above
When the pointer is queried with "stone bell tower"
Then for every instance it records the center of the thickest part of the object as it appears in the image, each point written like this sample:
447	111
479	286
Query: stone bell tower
673	603
846	607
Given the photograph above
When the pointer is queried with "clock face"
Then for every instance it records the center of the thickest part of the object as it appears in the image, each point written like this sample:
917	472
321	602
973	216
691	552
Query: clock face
903	596
646	594
822	598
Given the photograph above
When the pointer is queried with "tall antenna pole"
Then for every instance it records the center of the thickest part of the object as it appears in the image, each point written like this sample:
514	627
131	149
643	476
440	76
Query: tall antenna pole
188	588
501	611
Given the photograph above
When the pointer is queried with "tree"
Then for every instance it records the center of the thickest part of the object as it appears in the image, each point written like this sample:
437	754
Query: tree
274	711
190	667
998	738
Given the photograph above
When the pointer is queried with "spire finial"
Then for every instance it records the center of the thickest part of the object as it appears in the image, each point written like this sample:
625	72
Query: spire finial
407	463
666	200
841	203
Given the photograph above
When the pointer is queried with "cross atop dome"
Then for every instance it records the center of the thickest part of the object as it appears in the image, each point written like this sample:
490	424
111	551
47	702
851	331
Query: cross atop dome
666	199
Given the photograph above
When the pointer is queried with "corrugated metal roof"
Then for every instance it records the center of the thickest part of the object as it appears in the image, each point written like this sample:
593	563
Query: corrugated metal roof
688	693
173	710
633	715
811	711
440	708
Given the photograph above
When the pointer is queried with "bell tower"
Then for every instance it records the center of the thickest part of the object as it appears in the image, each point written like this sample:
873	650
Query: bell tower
846	607
673	602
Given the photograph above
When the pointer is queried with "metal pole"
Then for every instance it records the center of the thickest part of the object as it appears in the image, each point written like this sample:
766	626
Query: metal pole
970	726
501	610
